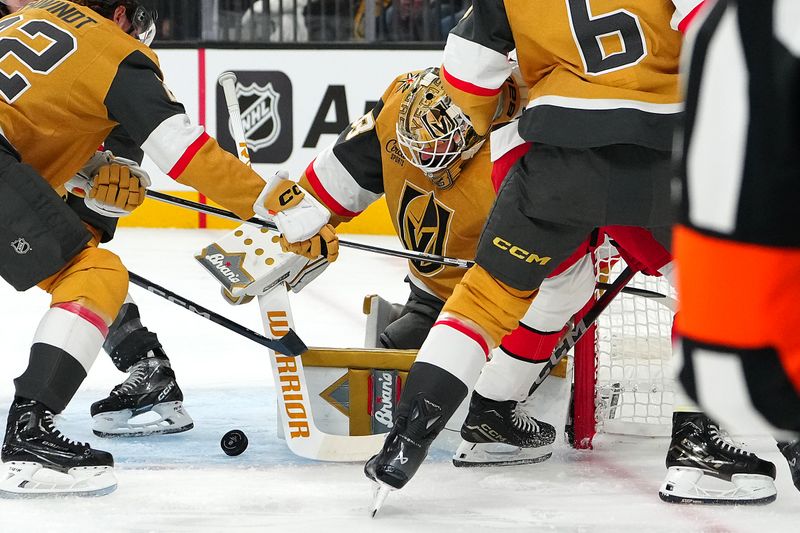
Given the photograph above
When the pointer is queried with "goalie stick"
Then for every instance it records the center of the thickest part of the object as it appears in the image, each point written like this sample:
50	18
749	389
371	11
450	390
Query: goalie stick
289	344
302	435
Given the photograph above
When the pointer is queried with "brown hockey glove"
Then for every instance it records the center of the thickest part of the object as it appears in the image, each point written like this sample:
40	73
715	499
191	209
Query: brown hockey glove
116	186
325	243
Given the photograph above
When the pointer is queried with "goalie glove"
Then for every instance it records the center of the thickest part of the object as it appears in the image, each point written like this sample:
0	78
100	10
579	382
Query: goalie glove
298	216
109	185
324	244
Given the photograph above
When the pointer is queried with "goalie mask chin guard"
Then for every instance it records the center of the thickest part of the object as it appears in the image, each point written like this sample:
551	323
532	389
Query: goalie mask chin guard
432	133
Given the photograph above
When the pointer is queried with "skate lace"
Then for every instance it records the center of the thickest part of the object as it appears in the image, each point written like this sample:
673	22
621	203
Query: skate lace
524	421
133	381
50	425
722	439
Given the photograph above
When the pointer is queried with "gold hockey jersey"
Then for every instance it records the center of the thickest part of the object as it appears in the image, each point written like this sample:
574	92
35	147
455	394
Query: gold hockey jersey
600	72
68	76
365	163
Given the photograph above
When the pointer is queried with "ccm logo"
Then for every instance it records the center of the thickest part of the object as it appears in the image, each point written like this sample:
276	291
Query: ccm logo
290	194
520	253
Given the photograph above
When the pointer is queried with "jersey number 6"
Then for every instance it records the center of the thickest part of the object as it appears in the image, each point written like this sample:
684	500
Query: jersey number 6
61	45
619	29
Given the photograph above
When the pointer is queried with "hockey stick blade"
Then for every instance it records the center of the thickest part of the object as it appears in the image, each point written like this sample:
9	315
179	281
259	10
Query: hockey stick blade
290	344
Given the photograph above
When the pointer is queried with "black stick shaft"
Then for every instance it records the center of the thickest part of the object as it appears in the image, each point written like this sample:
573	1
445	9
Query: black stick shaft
222	213
289	344
577	331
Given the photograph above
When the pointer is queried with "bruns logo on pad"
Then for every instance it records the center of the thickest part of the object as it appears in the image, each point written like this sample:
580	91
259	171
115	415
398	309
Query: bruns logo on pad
227	267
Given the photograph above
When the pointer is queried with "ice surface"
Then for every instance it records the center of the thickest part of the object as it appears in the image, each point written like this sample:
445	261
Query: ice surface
185	482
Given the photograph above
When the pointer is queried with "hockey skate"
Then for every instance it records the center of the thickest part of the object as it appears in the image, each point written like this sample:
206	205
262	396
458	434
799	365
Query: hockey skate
499	433
791	450
704	466
42	462
405	448
149	402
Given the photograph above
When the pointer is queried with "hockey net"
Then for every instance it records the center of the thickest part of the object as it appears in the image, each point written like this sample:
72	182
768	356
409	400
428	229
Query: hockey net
623	373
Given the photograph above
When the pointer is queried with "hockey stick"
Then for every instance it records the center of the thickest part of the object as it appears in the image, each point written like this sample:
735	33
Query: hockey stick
576	332
405	254
667	301
290	344
302	435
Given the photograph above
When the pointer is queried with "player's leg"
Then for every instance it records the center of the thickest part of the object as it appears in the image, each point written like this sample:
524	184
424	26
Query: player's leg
520	251
87	286
150	386
500	429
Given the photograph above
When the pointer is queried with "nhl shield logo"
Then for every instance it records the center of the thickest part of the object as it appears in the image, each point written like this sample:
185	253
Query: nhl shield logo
21	246
260	118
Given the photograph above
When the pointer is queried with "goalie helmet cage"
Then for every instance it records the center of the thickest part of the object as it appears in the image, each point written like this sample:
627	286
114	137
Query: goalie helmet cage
623	380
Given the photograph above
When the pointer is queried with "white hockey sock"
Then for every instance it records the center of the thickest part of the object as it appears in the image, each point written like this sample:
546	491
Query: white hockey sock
456	348
507	378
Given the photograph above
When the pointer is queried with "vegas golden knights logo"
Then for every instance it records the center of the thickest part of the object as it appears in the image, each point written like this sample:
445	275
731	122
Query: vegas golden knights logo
424	224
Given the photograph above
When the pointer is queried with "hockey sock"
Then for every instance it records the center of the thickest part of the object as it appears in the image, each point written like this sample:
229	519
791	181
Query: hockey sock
128	341
506	377
64	348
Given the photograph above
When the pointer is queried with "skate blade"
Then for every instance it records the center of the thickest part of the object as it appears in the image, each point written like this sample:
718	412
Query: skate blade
170	418
470	455
380	493
32	480
692	486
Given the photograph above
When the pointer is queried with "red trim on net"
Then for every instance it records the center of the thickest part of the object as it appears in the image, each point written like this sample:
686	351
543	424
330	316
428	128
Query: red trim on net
202	221
466	330
329	201
684	24
176	171
468	87
86	314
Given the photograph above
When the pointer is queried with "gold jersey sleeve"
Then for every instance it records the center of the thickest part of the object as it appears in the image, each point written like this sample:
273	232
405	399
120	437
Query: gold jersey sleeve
74	76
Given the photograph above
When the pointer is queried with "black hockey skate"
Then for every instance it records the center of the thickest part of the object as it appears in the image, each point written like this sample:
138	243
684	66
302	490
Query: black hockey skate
43	462
791	450
498	433
704	466
150	388
405	448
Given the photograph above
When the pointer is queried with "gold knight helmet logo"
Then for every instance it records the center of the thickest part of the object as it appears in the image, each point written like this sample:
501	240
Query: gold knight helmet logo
424	224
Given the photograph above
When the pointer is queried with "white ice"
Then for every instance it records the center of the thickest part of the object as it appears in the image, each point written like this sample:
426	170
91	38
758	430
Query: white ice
185	483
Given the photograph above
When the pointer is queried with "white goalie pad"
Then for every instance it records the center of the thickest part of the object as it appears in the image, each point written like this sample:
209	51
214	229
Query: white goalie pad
249	262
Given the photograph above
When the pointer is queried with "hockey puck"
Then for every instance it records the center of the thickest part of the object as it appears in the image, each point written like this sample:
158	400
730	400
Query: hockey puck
234	442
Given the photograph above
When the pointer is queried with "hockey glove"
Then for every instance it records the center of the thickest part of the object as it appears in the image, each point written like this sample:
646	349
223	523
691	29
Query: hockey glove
111	186
324	244
298	216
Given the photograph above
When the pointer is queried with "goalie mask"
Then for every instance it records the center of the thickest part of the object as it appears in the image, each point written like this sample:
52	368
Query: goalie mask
140	14
432	133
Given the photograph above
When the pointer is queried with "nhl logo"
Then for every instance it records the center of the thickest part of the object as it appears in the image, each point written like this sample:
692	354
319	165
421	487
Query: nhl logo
260	118
21	246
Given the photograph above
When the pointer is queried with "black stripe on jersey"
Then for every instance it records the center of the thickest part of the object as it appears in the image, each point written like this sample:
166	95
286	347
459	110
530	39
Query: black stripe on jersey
487	24
138	98
52	377
581	128
121	145
362	153
770	181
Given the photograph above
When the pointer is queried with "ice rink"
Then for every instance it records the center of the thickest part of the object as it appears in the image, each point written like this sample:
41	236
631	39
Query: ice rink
185	483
